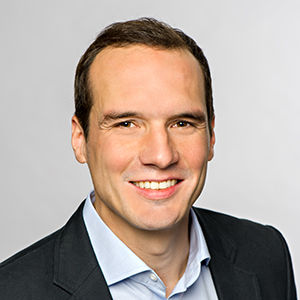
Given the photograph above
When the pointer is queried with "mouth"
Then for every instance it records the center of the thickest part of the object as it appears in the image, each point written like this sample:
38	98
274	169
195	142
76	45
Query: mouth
156	185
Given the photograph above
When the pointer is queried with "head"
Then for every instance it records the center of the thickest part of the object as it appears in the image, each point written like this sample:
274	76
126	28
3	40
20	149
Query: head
144	31
144	124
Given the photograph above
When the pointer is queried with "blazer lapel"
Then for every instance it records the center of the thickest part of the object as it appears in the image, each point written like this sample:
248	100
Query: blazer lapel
76	269
231	282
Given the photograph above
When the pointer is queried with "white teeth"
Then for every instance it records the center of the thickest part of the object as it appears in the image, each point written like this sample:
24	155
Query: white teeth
162	185
155	185
141	184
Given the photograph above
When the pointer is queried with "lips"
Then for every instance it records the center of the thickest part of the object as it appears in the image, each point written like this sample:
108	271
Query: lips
157	189
155	185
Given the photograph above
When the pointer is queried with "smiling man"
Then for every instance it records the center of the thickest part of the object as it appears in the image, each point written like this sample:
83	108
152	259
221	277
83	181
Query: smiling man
147	150
144	124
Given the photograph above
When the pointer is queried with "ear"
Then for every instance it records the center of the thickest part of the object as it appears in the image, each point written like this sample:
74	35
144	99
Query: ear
78	141
212	140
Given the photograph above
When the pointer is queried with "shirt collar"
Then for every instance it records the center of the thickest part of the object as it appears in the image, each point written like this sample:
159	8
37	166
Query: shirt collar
198	256
118	262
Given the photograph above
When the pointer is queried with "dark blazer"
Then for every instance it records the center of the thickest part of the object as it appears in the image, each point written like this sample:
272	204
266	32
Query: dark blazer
249	262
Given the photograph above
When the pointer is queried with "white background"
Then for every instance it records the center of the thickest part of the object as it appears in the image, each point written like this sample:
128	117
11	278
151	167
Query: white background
253	48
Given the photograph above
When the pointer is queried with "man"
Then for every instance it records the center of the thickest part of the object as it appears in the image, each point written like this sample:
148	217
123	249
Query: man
144	124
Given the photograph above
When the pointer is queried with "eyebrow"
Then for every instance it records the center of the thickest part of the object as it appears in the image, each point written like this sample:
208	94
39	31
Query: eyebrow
112	116
115	115
197	116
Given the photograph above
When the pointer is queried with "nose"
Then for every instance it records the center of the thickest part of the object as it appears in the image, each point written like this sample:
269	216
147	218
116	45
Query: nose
158	149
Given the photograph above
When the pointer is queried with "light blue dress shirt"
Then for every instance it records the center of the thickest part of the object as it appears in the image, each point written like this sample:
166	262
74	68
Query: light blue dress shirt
128	277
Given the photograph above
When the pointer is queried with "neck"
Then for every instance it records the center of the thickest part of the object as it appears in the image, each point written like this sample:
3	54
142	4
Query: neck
164	251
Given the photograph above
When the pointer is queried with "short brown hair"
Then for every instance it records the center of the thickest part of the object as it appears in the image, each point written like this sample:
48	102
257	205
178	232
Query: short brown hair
145	31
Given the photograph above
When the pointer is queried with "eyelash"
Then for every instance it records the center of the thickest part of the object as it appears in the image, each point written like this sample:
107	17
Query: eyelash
122	124
130	123
186	123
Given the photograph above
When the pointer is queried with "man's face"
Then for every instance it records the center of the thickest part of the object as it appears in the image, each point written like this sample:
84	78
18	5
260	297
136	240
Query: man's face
148	143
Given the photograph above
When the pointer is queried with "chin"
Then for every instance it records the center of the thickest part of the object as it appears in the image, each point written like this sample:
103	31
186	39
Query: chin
155	220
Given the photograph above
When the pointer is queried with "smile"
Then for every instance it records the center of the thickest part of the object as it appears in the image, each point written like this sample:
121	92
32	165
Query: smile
155	185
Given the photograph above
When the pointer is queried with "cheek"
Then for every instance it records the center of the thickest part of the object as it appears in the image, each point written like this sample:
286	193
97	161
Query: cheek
113	156
195	153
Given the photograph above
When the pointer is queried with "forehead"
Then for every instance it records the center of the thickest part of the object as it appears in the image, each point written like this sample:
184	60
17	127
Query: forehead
140	74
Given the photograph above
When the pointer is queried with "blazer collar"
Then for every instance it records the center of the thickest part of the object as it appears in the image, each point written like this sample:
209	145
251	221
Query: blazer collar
76	269
231	282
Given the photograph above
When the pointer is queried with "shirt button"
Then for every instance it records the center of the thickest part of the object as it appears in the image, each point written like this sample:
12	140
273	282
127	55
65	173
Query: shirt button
153	277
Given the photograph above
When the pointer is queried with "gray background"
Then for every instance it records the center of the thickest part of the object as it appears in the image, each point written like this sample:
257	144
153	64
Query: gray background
253	49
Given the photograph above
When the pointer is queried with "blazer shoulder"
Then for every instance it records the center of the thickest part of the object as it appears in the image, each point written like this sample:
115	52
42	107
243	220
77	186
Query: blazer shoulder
257	248
27	272
31	273
39	248
253	240
245	234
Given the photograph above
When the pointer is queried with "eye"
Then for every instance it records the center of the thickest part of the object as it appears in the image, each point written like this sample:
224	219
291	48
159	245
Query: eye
126	124
182	124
